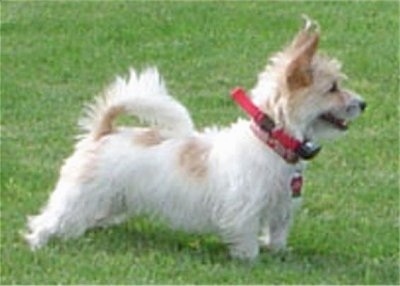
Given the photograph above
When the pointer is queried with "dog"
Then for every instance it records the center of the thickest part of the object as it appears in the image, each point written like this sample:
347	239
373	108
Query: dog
242	182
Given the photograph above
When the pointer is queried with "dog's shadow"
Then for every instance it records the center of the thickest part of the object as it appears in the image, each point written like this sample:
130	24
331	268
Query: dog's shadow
142	236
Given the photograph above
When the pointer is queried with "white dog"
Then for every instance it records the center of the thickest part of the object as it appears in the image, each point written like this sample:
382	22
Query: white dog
238	182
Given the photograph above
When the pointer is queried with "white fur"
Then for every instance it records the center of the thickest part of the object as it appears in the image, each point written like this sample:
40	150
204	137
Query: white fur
111	179
144	96
244	196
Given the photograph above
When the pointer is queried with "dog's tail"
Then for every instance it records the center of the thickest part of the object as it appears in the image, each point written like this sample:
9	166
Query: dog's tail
142	95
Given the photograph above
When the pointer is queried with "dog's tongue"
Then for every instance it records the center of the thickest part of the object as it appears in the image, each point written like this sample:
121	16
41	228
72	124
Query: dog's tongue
338	122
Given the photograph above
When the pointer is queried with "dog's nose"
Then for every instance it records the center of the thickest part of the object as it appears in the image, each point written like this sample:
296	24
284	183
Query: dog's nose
363	105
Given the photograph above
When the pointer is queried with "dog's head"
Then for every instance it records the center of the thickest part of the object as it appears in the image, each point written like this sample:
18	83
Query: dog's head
302	90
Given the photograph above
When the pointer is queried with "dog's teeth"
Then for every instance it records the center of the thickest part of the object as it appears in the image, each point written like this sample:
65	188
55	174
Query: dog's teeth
338	122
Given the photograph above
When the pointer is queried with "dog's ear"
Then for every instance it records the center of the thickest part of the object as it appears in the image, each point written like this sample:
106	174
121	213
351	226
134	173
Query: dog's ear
302	50
309	28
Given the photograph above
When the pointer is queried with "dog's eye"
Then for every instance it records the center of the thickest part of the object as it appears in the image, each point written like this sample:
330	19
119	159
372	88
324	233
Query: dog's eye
334	87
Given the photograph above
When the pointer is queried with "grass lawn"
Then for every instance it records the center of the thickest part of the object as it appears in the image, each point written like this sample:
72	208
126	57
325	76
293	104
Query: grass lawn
55	56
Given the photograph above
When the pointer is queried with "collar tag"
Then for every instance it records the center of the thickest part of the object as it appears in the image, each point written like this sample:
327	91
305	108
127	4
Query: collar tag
296	185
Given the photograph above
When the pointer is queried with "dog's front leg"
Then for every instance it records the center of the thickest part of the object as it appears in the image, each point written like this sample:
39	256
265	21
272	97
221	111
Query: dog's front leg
242	241
278	233
264	237
274	234
275	228
279	224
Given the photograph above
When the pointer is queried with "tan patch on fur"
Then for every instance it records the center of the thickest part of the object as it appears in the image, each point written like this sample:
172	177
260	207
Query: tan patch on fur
193	158
148	138
106	126
299	79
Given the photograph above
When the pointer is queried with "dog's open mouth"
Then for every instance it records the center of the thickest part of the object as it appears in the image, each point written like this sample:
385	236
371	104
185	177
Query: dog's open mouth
338	123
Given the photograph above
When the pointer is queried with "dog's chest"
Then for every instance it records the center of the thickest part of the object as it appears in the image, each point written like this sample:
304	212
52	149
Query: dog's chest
286	182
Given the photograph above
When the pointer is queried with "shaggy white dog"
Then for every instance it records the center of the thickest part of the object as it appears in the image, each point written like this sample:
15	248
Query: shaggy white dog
238	182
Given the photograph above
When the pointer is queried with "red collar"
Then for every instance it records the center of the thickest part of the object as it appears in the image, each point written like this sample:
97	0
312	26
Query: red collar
276	140
288	147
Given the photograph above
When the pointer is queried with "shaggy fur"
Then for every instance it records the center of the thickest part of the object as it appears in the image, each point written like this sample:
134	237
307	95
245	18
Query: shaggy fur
224	181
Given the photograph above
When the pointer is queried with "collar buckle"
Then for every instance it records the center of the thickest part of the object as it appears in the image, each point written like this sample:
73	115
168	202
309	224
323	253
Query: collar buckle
308	150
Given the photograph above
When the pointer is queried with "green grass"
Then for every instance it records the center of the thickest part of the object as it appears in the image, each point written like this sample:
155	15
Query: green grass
55	56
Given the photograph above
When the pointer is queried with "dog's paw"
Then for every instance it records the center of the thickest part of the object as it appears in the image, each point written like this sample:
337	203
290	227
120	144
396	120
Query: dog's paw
34	241
275	247
264	241
244	253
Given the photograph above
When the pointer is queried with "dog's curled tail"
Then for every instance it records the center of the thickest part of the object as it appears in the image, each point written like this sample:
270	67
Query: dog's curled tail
142	95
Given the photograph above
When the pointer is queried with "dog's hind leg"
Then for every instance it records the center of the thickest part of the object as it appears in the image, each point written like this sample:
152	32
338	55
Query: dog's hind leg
64	216
72	209
41	229
55	219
